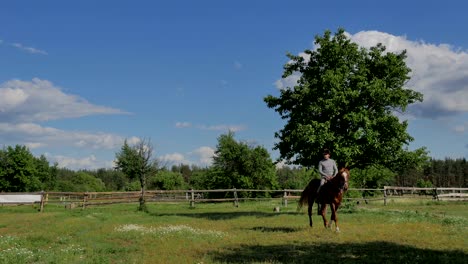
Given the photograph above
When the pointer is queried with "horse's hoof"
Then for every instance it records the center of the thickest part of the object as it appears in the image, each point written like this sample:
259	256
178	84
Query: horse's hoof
337	230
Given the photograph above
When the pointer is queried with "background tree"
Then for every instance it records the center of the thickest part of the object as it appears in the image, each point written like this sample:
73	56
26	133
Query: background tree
185	170
238	165
167	180
47	174
114	180
200	178
345	100
20	171
137	163
295	177
446	173
373	177
81	181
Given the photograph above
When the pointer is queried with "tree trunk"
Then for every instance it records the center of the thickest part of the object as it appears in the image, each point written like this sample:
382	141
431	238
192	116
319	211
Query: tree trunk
142	206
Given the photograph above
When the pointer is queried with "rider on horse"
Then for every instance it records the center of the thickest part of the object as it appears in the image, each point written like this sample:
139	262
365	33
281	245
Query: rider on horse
327	168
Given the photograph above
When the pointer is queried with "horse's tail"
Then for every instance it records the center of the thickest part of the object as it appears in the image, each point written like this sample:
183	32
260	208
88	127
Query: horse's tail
304	200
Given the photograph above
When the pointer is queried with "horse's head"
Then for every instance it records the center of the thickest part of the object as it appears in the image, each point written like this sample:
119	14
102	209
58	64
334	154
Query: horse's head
343	177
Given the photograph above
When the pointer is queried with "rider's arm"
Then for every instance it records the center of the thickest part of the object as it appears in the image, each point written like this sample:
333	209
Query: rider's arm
335	169
322	174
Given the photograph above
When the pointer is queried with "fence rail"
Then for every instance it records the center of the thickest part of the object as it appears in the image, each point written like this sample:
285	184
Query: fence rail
83	199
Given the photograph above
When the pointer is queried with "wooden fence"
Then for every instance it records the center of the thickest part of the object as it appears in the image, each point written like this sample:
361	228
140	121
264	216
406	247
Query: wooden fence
435	193
83	199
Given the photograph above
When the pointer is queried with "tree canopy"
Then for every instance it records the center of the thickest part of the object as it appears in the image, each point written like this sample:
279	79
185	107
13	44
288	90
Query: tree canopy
345	100
238	165
20	171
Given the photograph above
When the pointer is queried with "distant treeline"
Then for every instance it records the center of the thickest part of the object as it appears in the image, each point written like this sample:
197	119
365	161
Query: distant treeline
440	173
20	171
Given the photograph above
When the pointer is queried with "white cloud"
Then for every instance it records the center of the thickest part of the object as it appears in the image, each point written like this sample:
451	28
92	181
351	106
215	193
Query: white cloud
288	82
34	145
11	98
221	127
133	140
174	158
461	128
281	164
24	104
89	162
205	155
233	128
40	100
183	124
292	80
40	136
28	49
202	156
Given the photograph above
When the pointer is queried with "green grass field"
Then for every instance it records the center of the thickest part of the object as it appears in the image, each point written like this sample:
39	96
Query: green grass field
401	232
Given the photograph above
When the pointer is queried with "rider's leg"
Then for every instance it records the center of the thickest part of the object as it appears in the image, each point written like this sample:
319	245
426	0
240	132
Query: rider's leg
318	199
322	182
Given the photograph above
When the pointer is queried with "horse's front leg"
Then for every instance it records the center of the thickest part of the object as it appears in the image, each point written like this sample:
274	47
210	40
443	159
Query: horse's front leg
323	212
334	216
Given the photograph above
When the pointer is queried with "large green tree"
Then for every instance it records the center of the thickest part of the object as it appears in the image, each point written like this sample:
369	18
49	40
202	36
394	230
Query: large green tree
20	171
238	165
345	100
137	163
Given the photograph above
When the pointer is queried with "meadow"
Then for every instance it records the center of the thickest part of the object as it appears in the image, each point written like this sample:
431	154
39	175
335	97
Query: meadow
404	231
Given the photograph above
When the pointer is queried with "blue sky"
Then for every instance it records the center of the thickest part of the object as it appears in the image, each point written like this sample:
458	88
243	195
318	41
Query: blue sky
77	78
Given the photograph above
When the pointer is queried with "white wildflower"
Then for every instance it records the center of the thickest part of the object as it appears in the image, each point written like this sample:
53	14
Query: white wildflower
166	230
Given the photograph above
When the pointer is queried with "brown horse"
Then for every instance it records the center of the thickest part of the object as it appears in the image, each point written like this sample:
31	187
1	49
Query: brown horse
331	193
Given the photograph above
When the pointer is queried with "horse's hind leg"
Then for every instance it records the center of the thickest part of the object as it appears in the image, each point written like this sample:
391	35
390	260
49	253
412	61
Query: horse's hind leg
310	213
311	204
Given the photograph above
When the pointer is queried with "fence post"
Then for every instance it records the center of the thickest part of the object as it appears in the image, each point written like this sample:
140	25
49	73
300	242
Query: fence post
42	201
285	199
435	195
236	200
385	195
192	199
85	199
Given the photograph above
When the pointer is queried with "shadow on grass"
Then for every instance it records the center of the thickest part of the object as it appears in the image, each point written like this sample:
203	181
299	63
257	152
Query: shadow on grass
225	215
372	252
